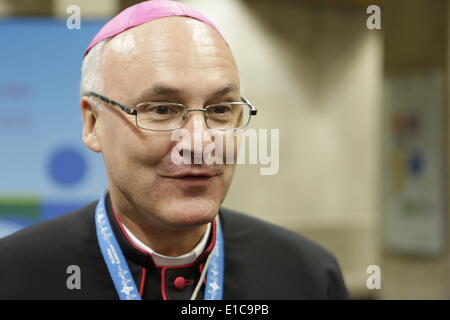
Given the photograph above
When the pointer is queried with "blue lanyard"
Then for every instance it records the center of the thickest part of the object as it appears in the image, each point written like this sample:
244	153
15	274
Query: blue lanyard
120	273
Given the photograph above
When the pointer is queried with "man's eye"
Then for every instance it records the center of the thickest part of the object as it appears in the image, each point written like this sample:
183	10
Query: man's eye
221	109
161	109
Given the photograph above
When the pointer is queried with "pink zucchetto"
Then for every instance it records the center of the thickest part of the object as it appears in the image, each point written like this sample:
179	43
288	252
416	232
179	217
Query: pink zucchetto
144	12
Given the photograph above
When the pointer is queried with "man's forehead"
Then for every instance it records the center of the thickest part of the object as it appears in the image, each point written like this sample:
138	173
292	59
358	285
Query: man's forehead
163	90
145	12
167	33
167	47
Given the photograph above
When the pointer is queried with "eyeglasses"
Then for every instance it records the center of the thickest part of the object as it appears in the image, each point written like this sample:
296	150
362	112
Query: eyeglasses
169	116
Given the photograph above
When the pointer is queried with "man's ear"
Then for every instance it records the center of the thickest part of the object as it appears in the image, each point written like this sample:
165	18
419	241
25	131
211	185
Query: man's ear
89	115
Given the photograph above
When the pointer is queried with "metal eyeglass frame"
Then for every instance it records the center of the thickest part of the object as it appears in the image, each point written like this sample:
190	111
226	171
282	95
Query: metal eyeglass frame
134	111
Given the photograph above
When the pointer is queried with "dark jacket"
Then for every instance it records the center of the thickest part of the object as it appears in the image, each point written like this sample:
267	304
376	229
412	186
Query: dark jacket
262	261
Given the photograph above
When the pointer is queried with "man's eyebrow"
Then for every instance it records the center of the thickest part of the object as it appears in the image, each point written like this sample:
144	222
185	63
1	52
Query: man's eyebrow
230	87
162	91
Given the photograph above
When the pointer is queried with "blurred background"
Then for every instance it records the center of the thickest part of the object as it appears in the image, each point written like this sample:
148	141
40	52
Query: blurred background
360	96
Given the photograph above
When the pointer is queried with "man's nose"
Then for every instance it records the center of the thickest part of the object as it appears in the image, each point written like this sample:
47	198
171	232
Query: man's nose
199	137
196	125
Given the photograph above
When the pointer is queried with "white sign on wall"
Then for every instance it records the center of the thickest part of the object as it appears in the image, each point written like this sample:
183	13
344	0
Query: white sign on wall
414	168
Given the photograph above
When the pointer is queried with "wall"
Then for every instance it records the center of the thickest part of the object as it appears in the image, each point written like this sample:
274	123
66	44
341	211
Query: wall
416	39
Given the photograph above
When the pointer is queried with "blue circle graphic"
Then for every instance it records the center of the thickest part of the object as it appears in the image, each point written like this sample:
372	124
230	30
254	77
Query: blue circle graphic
67	166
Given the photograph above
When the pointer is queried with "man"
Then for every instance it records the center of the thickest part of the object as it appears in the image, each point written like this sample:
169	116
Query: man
159	231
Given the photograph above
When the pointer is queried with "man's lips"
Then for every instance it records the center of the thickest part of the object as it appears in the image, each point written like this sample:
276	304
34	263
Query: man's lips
196	174
193	175
193	178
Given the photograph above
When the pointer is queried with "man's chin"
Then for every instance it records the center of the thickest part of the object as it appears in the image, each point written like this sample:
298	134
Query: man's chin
192	212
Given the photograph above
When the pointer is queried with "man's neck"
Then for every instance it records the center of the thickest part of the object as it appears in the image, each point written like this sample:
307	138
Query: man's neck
165	241
171	243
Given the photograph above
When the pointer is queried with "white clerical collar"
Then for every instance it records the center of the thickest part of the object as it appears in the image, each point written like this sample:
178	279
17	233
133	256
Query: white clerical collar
161	260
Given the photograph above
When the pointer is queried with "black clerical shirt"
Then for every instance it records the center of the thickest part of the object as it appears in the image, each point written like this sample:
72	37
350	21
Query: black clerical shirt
262	261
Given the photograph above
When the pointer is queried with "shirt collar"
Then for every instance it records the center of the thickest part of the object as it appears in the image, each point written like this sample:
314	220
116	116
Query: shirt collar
162	260
143	257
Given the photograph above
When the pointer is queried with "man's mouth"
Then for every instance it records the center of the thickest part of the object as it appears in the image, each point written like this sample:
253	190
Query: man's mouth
193	174
194	178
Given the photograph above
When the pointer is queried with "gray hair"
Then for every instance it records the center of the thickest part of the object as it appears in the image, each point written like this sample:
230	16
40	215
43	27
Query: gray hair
91	73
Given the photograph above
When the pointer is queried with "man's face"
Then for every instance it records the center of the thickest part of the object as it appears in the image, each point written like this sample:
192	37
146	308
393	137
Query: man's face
173	59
